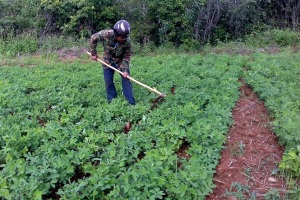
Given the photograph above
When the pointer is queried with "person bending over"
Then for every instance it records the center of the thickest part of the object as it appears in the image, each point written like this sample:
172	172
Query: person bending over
117	52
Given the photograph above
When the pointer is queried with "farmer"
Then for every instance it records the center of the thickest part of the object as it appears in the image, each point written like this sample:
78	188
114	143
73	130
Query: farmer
117	52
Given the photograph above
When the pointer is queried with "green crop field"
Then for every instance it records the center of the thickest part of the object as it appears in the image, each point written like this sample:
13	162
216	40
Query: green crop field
60	138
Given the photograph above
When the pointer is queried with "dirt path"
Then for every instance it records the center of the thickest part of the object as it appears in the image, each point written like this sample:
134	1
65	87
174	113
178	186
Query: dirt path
250	158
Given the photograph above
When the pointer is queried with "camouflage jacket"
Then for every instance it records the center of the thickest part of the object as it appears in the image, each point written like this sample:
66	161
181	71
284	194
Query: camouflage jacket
114	52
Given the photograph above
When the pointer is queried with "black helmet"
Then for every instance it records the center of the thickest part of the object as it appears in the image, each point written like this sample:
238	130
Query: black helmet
122	28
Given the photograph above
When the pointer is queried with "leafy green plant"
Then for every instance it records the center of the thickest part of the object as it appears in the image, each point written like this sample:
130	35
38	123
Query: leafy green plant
291	161
57	128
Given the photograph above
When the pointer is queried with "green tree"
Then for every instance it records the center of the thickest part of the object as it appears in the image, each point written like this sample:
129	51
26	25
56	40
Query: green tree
17	16
289	12
176	22
240	17
77	17
157	21
172	24
204	16
137	13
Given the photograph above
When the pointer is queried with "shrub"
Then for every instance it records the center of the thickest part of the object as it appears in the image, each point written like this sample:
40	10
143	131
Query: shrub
25	43
53	42
273	37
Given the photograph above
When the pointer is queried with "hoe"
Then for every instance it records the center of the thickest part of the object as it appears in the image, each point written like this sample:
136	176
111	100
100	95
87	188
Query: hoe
161	95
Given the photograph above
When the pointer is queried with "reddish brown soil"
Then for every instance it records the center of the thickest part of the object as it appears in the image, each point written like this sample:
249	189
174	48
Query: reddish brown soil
251	154
181	153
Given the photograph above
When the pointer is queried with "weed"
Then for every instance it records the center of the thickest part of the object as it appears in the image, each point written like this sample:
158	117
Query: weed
272	195
241	192
237	149
292	185
275	171
248	171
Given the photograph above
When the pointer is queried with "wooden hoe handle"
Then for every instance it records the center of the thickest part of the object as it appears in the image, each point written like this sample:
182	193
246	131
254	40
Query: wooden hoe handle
130	78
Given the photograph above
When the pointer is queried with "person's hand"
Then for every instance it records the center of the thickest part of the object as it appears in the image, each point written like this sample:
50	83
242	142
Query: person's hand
95	57
125	74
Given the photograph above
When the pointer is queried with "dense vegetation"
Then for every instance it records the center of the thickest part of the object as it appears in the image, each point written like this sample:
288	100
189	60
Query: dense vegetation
56	125
60	137
185	23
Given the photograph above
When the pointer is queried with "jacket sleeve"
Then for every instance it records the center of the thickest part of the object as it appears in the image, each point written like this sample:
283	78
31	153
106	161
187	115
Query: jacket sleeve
93	43
100	36
126	58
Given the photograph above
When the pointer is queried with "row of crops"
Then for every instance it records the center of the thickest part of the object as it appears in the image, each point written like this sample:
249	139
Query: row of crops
276	78
61	139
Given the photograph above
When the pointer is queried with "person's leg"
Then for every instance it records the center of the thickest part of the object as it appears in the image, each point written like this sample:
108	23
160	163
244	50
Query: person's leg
127	90
109	83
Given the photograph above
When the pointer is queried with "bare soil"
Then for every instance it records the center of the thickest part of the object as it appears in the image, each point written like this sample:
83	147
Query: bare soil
251	154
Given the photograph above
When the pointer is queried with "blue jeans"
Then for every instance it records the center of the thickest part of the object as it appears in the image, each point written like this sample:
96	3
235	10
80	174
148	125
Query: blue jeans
110	86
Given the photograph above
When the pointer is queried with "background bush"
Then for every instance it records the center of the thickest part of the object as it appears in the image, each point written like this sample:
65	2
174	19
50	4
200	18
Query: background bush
276	37
187	24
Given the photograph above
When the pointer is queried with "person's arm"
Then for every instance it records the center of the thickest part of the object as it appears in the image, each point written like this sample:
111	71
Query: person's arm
93	45
124	66
95	38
